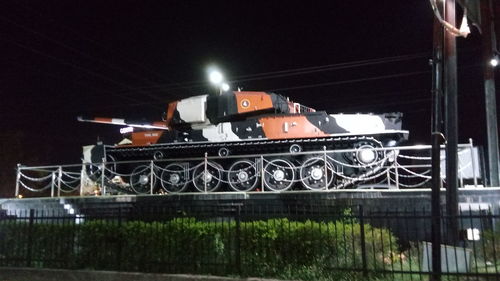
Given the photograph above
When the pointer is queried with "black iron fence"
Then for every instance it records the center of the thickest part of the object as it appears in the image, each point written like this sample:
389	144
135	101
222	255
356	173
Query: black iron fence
309	242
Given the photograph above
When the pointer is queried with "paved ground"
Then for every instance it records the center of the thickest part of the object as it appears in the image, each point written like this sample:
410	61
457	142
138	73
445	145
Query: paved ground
34	274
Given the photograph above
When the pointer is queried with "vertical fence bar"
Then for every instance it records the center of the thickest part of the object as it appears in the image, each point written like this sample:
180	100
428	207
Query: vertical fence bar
119	245
205	176
18	178
103	176
151	177
473	162
262	184
363	241
474	246
29	247
491	219
59	179
326	168
238	240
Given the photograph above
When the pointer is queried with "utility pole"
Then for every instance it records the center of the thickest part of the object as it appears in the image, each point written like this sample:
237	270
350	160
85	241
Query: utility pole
451	124
489	48
436	126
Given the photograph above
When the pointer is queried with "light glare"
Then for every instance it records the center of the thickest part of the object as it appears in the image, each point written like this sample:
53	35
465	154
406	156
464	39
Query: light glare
215	77
225	87
473	234
494	61
126	130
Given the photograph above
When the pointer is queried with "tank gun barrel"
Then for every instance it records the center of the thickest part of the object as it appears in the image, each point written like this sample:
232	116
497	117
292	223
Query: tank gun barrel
123	122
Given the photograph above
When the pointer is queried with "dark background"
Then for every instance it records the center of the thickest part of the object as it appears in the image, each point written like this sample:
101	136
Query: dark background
60	59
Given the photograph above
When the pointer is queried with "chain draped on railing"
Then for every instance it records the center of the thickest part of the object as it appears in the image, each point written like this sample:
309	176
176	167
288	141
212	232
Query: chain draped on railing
390	168
55	179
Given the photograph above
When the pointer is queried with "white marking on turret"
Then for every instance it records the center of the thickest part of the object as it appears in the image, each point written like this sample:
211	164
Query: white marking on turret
220	132
192	110
118	121
359	123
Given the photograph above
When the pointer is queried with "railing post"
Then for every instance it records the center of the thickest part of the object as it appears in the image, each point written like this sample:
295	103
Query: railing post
473	161
205	176
52	184
388	173
103	176
151	177
18	178
59	181
82	178
262	184
326	168
396	169
363	242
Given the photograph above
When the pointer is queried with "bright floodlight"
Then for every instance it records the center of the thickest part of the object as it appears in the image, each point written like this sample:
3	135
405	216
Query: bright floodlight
224	87
494	61
215	77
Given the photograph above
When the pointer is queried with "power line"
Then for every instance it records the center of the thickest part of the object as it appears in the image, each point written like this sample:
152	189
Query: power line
58	77
350	81
159	75
90	72
64	45
294	71
381	77
413	101
252	77
370	95
336	66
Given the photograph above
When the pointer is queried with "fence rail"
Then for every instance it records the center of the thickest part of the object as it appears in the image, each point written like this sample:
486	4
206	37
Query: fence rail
390	168
253	240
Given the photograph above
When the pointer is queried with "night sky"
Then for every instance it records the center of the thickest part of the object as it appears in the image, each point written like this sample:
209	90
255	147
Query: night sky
61	59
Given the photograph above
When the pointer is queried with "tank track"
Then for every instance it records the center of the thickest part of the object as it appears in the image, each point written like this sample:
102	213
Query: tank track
185	150
220	167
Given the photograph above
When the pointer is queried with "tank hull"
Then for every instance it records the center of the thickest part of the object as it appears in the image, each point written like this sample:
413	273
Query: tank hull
328	129
250	140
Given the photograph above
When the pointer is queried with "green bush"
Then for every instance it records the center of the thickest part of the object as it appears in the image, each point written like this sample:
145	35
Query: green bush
306	250
491	246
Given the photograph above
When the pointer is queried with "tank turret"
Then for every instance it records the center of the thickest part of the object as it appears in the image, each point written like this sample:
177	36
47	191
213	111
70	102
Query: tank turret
232	106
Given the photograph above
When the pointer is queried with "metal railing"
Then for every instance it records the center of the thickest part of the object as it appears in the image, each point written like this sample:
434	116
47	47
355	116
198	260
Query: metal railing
390	168
249	240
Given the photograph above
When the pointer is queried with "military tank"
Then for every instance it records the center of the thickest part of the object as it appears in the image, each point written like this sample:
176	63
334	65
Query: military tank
253	140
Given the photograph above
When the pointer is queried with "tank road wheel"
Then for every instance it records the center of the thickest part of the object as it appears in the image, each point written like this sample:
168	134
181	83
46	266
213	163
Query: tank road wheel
365	154
312	173
174	178
211	178
223	152
94	171
242	175
279	174
140	179
295	148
